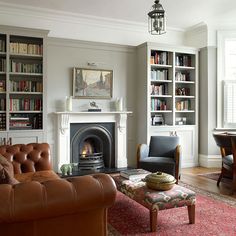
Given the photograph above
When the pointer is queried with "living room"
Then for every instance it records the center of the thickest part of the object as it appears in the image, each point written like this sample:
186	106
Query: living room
110	37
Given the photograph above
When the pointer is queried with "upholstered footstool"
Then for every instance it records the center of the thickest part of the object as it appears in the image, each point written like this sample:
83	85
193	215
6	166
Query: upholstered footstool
155	200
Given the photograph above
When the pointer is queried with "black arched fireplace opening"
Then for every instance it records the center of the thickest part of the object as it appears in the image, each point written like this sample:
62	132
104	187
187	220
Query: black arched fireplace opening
92	145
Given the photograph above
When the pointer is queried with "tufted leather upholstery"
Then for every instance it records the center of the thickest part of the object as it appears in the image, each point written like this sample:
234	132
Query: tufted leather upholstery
73	206
27	158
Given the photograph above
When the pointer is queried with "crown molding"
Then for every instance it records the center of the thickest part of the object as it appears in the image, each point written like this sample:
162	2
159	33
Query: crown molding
74	18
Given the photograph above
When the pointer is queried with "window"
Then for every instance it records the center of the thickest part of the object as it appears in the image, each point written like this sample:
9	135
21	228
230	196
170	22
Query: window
226	80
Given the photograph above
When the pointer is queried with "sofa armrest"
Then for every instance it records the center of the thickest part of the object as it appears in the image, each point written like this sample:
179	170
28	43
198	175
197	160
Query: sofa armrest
34	200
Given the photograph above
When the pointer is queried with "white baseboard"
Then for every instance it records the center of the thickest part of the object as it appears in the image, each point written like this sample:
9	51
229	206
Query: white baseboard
210	161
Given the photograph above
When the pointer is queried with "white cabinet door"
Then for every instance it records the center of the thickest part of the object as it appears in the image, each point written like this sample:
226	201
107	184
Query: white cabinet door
25	137
188	142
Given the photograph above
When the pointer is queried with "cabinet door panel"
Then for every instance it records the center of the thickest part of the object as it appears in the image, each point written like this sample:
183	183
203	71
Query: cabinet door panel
18	138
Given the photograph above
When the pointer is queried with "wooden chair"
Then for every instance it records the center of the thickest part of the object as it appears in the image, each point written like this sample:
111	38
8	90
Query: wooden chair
233	141
227	145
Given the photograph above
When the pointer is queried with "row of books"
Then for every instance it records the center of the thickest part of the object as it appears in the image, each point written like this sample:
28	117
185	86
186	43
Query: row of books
26	86
2	121
179	76
25	104
183	60
2	45
20	123
159	57
25	121
134	174
183	105
2	65
158	104
26	48
2	85
161	89
2	104
25	67
159	74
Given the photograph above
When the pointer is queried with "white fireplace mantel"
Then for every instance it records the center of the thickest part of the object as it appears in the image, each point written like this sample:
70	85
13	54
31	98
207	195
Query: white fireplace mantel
64	119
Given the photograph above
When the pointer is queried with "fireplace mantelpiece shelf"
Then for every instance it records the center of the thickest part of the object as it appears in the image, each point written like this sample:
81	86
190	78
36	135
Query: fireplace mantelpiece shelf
64	119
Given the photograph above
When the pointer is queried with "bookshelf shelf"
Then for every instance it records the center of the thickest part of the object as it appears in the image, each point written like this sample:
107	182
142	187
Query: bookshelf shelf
25	93
25	74
27	56
184	68
161	111
185	82
162	81
185	111
177	96
160	66
22	96
161	96
26	112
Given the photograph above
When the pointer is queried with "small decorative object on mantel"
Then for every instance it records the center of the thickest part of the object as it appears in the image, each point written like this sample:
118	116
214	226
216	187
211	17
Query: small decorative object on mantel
94	107
160	181
69	103
119	104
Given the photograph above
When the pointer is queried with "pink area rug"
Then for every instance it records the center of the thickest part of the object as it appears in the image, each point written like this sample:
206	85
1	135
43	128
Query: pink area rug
213	217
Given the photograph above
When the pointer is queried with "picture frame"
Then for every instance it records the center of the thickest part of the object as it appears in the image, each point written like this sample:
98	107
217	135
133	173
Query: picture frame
92	83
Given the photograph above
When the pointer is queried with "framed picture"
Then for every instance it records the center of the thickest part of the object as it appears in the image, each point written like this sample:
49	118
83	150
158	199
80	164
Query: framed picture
92	83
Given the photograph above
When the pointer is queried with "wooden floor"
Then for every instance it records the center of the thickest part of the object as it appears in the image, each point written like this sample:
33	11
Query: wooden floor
191	176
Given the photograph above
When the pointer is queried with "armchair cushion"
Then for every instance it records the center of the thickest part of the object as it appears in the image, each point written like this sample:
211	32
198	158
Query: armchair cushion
163	164
228	160
6	172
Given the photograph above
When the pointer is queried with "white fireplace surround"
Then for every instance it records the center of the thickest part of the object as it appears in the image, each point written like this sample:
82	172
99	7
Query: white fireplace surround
64	119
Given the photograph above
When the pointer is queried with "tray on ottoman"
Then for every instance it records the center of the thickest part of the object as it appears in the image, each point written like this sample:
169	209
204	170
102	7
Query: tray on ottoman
155	200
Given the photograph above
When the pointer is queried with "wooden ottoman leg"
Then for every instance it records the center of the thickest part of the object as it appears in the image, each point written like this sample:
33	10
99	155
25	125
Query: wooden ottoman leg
153	220
191	214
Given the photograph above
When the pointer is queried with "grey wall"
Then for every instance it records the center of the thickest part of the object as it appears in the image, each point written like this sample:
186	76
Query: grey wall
63	55
207	100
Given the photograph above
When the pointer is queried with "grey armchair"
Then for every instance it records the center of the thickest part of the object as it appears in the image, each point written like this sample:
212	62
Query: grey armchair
162	154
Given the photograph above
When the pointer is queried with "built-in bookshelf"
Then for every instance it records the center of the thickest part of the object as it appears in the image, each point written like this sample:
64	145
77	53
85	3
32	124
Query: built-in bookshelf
172	87
22	75
167	88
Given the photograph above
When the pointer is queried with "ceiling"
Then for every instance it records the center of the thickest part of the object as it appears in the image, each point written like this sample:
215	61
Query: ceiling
181	14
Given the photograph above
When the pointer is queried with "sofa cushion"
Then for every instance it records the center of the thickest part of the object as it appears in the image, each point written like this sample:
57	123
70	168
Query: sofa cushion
6	172
39	176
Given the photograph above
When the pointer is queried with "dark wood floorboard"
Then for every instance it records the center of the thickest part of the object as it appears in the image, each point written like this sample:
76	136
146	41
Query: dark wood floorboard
191	176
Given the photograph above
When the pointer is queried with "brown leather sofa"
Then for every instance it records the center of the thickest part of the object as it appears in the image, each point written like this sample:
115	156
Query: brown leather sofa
43	204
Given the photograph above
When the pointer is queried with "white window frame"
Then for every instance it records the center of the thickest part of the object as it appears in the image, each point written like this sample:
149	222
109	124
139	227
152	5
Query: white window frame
222	36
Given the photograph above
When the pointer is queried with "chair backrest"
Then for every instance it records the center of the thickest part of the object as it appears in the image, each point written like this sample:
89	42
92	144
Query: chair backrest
223	140
163	146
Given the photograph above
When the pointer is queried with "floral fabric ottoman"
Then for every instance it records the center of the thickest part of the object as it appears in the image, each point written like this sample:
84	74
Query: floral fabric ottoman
155	200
